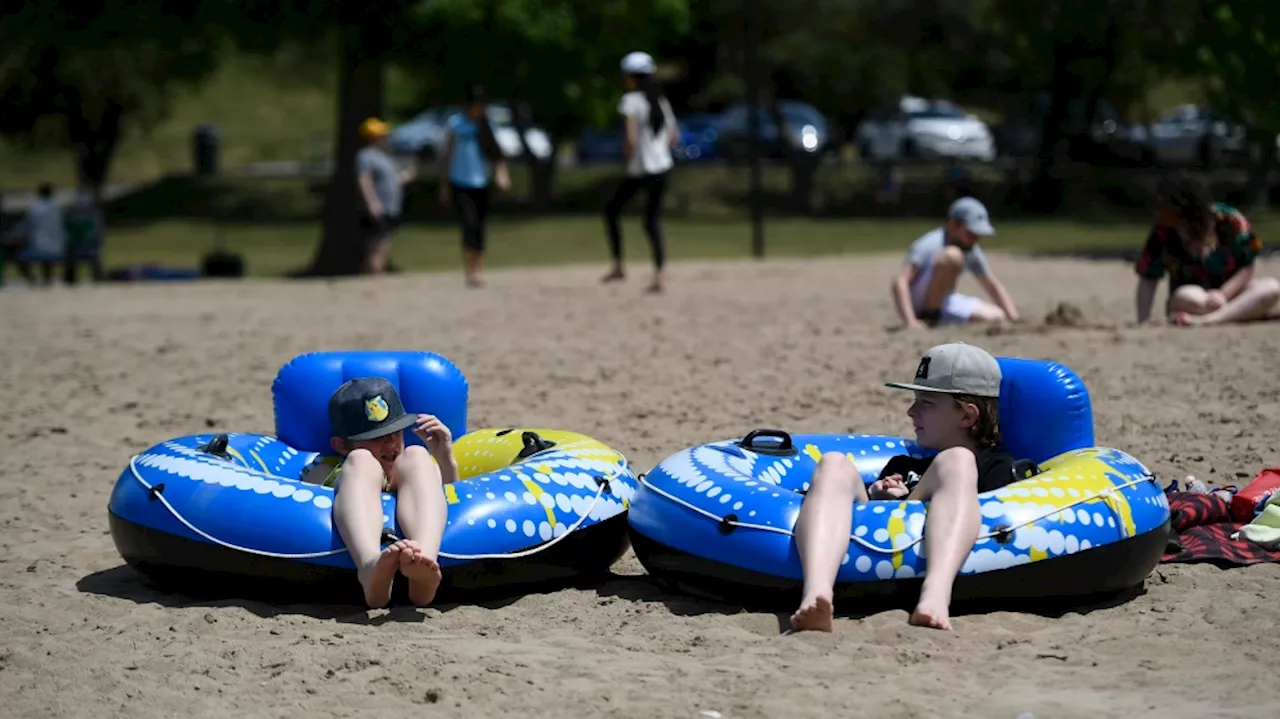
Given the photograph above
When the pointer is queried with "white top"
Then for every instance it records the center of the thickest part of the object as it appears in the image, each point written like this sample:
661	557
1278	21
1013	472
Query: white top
46	236
652	154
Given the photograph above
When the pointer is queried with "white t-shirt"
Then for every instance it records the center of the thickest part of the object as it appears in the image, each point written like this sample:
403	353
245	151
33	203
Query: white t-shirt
46	235
653	151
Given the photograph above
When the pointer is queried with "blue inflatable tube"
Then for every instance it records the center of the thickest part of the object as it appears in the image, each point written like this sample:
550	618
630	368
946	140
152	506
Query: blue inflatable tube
717	519
228	514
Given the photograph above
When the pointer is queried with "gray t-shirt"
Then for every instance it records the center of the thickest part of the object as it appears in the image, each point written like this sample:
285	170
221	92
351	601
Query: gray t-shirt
930	243
386	177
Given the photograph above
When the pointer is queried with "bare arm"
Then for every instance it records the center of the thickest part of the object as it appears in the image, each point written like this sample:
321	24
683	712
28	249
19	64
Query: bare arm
1236	284
673	129
448	468
1146	294
900	288
996	291
502	175
370	197
629	142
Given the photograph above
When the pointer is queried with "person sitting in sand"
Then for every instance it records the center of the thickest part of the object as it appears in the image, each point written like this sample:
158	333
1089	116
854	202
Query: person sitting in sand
1208	250
957	390
924	290
368	421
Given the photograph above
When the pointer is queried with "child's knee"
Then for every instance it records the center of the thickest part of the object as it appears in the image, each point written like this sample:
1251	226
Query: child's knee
360	467
835	472
415	464
956	464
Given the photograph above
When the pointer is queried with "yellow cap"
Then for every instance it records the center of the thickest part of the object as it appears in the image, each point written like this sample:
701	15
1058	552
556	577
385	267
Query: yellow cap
373	127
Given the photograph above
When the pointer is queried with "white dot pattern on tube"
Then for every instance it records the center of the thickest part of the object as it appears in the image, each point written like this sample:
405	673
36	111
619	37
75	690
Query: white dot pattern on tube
1055	522
174	458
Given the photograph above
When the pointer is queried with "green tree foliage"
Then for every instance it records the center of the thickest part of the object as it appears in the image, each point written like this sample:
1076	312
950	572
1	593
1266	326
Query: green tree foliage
81	76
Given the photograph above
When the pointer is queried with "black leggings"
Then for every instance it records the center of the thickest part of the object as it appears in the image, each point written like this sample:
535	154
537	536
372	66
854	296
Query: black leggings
656	187
473	208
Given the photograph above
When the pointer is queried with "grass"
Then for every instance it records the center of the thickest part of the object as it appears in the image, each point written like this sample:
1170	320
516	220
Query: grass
277	248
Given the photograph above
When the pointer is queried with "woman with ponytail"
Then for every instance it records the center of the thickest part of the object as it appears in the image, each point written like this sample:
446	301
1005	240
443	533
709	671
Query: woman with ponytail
651	132
469	150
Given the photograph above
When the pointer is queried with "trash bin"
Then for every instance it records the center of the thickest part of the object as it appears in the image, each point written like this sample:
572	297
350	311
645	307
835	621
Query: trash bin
204	142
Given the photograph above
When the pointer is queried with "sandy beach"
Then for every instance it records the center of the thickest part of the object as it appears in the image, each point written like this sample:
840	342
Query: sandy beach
93	375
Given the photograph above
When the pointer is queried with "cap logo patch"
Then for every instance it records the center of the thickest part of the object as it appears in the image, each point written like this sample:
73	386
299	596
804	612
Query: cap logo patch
376	409
922	371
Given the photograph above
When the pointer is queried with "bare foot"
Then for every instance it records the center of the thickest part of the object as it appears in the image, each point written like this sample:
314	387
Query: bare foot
475	282
815	613
614	276
423	573
377	577
934	616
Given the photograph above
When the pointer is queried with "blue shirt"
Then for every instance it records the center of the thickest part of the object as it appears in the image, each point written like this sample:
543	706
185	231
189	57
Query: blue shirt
468	167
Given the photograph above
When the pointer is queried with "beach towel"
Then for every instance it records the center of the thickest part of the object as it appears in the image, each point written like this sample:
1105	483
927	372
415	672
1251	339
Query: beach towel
1202	530
1265	528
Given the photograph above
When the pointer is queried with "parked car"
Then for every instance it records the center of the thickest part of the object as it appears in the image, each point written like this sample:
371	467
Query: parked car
699	137
917	127
424	135
807	130
1106	139
698	140
1195	135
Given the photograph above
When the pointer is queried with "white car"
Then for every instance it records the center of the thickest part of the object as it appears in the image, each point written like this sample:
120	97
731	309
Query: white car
424	135
917	127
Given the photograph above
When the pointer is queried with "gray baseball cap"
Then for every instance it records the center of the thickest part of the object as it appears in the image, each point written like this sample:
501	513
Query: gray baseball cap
972	215
956	368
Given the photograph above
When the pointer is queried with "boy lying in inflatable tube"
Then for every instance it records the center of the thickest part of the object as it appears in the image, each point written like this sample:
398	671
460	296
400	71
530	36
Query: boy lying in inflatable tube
957	390
368	422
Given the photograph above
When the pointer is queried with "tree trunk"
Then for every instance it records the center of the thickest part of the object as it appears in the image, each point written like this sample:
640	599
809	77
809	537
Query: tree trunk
1262	154
360	88
541	172
94	142
1046	190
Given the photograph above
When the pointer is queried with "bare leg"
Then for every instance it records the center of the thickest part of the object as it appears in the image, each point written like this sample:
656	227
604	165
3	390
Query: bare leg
357	510
946	267
422	511
376	262
822	536
1259	300
1190	299
950	529
473	265
987	312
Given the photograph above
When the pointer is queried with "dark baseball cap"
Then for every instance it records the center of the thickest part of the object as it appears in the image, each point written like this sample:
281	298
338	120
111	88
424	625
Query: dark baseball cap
367	408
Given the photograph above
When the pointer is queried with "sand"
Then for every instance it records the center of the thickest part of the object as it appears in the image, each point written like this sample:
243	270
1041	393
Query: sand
92	375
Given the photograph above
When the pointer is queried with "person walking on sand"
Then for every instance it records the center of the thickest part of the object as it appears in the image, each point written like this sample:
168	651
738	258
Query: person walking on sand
469	150
382	190
650	133
1209	250
924	289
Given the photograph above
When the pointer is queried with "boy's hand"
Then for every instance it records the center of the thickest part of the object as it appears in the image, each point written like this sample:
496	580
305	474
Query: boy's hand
890	487
435	435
